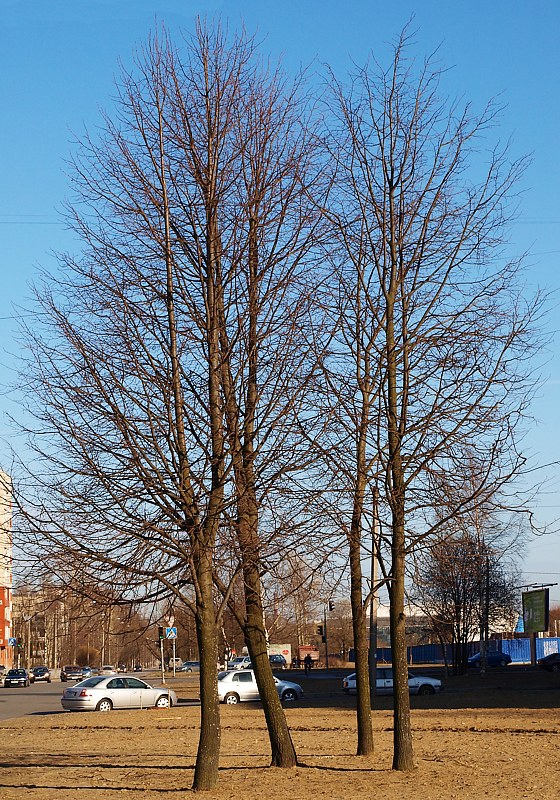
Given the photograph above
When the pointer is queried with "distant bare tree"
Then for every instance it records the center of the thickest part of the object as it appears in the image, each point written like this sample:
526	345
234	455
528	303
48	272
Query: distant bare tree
465	584
443	332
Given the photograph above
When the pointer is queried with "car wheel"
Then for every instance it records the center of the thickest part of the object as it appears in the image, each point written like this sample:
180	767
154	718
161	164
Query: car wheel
289	695
48	680
555	668
104	705
503	663
231	699
426	689
163	701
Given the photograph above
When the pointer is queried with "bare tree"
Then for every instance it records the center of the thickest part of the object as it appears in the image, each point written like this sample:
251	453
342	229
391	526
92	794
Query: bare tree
266	335
420	211
465	584
166	360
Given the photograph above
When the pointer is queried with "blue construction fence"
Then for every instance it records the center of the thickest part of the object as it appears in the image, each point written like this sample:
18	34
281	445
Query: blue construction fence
518	649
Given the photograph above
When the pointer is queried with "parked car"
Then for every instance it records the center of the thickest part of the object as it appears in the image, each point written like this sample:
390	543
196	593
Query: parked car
277	661
16	677
235	686
190	666
105	692
417	684
71	672
241	662
494	658
108	669
39	674
550	662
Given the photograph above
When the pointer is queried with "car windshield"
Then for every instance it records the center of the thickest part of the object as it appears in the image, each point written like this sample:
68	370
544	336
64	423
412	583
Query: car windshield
15	672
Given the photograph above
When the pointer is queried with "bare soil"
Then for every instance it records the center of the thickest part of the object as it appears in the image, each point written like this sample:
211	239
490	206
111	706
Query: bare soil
485	736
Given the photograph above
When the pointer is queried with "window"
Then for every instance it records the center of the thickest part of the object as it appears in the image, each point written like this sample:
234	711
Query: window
134	683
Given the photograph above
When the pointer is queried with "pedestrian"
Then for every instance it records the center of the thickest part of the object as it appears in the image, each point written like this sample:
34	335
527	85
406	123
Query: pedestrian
307	663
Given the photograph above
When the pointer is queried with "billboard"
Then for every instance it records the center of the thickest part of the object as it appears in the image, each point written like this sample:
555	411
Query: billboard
535	611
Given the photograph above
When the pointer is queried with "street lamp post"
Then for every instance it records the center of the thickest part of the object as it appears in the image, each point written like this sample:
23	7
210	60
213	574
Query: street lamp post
27	618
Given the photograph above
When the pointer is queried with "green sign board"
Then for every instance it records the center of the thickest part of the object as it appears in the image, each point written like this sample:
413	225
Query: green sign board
535	611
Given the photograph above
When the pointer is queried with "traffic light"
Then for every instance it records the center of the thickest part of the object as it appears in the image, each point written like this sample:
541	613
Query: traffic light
20	642
331	605
160	632
320	630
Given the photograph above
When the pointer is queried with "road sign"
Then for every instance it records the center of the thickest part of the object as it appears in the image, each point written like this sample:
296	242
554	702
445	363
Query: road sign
12	641
171	633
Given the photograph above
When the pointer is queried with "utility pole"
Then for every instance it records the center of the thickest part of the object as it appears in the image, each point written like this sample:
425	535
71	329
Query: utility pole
27	619
162	665
374	603
325	637
484	583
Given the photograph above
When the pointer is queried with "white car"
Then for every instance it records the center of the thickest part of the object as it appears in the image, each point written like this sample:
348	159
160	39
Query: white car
417	684
235	686
103	693
241	662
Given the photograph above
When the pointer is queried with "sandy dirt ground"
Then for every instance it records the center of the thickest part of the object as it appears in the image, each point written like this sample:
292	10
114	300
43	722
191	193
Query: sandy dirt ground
496	736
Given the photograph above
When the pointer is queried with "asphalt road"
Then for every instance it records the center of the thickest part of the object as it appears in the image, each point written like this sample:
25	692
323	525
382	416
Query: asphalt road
39	698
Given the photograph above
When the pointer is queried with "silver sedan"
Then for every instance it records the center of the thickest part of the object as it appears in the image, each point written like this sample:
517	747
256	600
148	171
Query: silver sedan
237	685
103	693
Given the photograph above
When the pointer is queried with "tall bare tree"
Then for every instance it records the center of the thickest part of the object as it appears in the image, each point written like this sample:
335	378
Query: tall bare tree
420	210
167	358
125	365
266	336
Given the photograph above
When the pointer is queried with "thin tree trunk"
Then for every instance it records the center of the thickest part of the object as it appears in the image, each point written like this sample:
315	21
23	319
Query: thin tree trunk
283	753
402	730
402	754
208	753
363	696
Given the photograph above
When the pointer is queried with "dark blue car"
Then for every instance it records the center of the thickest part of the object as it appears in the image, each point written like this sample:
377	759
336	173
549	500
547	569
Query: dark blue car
494	658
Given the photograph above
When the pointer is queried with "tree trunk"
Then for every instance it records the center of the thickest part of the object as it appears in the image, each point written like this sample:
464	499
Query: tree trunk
208	754
396	413
282	748
363	696
402	730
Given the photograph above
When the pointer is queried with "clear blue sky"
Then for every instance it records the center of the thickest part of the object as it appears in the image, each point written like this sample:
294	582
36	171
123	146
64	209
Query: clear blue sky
58	60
